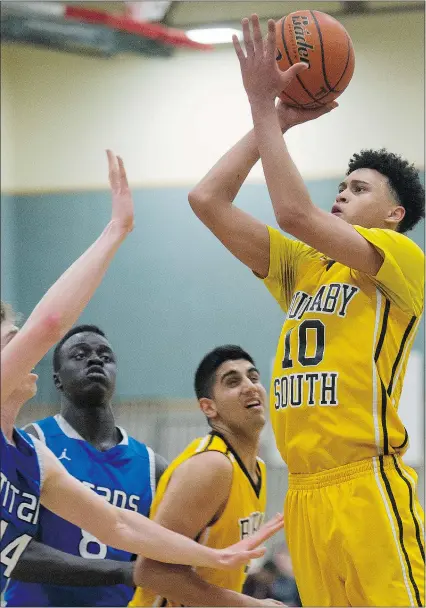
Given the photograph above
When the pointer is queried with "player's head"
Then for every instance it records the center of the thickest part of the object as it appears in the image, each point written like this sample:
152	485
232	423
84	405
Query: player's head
381	190
84	366
229	391
9	329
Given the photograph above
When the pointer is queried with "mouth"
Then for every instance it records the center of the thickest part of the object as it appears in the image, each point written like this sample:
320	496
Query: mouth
96	374
254	405
335	210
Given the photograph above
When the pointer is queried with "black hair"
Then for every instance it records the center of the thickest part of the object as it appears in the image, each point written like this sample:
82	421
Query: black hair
205	374
404	181
78	329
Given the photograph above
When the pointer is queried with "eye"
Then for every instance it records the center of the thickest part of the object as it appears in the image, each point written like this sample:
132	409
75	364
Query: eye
254	378
106	358
78	356
233	382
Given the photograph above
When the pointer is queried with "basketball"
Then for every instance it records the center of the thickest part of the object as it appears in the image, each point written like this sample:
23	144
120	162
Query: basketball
323	43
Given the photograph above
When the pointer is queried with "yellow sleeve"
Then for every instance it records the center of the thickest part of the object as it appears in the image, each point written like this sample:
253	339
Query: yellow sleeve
285	256
402	274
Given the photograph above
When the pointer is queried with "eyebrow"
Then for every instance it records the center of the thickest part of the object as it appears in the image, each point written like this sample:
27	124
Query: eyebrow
85	345
235	372
354	181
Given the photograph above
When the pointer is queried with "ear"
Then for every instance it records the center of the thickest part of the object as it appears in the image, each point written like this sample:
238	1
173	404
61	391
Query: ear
57	382
208	407
395	216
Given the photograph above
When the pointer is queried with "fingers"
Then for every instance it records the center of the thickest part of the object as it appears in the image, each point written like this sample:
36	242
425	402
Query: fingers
113	171
271	39
122	174
248	40
254	554
238	49
257	35
271	527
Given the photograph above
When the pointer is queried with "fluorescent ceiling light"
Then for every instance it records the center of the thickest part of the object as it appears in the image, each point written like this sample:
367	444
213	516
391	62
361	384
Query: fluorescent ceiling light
217	35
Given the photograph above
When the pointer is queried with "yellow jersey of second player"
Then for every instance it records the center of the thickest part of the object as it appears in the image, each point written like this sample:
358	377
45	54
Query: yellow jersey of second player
243	515
343	350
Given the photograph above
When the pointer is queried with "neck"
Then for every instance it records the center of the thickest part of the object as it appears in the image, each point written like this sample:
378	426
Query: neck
95	423
246	446
9	413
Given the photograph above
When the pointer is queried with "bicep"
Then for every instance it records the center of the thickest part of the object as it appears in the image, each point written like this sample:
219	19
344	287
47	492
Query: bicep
246	237
336	239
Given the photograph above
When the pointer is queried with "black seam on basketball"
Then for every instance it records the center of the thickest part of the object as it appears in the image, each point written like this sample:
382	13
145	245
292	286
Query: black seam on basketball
324	73
297	104
346	66
411	501
400	351
291	63
400	529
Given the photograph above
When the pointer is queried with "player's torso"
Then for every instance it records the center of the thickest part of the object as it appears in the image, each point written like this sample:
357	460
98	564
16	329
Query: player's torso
338	371
20	499
242	516
124	476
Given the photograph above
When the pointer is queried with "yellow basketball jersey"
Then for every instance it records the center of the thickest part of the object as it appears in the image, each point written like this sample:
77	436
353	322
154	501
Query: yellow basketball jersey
343	350
243	514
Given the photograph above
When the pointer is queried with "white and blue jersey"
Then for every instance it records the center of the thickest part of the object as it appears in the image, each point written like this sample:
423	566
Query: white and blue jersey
124	475
20	484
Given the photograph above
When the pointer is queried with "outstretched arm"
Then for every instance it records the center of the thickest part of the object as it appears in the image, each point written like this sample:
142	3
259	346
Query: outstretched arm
63	303
293	207
212	198
127	530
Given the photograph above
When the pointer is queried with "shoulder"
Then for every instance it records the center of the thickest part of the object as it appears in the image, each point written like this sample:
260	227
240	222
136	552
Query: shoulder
390	241
209	467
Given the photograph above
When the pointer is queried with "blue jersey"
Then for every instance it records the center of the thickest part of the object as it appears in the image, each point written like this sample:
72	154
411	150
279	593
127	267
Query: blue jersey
19	498
124	475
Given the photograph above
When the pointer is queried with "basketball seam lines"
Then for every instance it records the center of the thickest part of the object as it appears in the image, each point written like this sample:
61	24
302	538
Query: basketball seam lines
322	51
291	63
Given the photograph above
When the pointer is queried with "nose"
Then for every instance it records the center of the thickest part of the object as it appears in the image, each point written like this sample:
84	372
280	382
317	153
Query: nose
342	197
94	359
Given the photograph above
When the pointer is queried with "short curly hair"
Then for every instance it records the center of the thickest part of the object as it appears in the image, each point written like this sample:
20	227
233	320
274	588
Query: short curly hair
404	181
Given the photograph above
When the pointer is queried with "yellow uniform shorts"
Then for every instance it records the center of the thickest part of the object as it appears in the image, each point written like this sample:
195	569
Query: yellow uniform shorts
356	535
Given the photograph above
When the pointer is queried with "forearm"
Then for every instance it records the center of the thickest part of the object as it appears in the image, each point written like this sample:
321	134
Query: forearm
46	565
289	195
224	180
184	586
142	536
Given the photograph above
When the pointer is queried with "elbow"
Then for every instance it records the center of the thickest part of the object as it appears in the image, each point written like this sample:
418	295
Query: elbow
200	201
291	220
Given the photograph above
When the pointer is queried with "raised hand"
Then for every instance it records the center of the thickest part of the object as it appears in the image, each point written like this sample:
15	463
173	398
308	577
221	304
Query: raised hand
262	77
247	549
290	116
122	202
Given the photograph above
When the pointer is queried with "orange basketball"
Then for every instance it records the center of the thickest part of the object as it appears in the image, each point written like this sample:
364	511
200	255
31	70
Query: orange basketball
323	43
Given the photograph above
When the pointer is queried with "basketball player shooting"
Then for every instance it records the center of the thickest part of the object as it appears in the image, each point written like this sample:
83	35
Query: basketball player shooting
352	285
